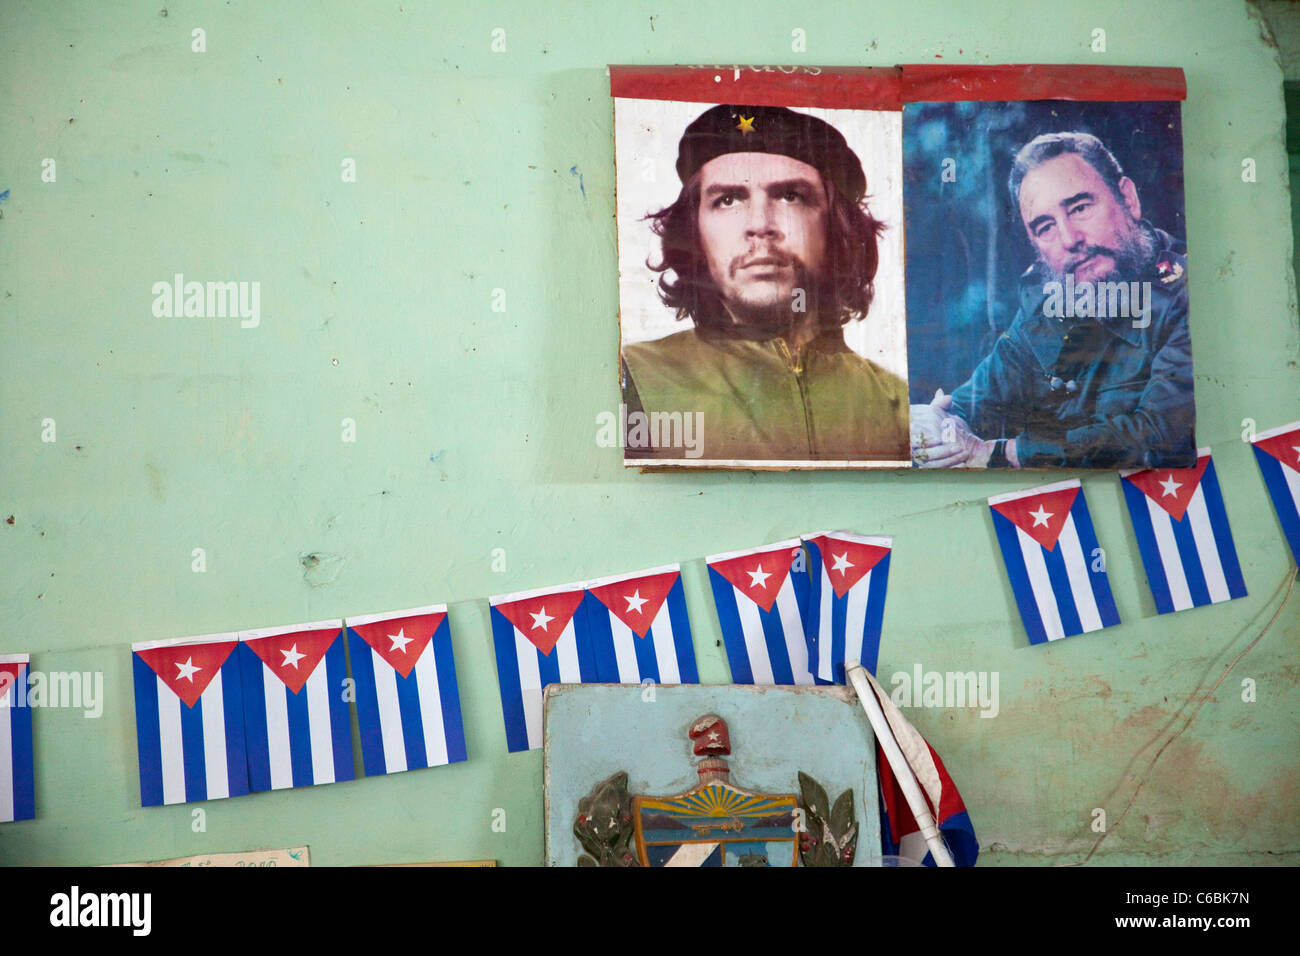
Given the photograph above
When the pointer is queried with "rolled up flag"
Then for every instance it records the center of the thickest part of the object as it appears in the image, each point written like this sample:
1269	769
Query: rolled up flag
900	833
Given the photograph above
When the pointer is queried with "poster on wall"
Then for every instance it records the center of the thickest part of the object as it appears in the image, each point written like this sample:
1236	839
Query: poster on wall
930	266
760	241
1047	268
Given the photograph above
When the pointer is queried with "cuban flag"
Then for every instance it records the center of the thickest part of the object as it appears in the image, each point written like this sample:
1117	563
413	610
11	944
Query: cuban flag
1057	570
1278	454
540	639
846	603
762	601
639	629
17	776
1183	535
900	834
295	717
408	705
189	719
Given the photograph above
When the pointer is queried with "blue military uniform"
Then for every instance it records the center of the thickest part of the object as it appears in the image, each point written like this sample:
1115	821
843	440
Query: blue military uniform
1092	392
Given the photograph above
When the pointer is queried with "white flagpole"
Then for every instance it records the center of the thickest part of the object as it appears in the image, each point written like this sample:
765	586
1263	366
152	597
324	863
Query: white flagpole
902	769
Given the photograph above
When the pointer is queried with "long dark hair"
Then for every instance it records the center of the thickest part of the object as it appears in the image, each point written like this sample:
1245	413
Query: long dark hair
843	293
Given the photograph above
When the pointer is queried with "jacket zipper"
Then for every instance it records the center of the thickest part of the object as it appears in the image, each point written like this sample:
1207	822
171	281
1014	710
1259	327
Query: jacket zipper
797	369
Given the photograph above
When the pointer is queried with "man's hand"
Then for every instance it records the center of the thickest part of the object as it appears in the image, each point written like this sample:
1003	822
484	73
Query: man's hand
942	440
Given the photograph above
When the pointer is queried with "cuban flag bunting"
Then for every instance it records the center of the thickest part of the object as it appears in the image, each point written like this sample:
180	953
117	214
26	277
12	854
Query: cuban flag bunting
408	706
639	630
1057	570
846	604
17	778
1182	532
762	601
189	719
540	639
1278	454
899	832
295	717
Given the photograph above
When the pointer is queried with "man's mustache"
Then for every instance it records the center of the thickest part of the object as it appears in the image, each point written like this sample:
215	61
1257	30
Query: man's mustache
770	257
1090	252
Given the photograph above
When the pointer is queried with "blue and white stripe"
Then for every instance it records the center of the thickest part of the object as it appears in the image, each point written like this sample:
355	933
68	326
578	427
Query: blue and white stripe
665	655
845	628
764	647
1283	485
190	753
408	722
523	671
17	777
1192	562
1064	591
296	740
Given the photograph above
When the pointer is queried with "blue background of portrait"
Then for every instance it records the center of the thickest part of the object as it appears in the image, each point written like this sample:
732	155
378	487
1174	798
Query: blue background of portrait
966	246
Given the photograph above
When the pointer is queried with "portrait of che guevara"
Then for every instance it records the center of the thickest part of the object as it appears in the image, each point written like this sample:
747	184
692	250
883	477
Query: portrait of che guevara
755	267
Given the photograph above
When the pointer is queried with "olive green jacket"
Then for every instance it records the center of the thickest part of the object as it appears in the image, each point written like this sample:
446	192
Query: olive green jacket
758	402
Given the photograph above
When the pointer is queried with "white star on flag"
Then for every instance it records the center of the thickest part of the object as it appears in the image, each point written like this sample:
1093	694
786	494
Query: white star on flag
842	563
1296	448
758	578
635	600
541	619
1041	516
292	657
187	670
1171	487
400	640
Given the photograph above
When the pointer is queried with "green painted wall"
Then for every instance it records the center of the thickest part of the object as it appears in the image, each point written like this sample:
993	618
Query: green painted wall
476	429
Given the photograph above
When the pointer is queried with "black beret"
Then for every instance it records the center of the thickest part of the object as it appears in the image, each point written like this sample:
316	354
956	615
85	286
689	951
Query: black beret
771	129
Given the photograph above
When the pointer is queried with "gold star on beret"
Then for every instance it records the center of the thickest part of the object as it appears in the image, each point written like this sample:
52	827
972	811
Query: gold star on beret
746	125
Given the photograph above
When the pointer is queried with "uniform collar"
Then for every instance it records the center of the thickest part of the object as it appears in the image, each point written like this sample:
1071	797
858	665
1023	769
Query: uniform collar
829	340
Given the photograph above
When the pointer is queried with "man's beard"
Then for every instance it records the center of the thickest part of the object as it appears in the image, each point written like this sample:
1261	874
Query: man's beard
1135	253
785	312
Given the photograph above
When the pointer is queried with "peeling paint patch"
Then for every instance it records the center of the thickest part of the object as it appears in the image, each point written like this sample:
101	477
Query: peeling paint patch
320	568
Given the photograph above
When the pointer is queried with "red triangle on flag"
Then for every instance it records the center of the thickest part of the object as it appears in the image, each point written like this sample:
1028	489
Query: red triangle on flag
401	640
293	655
9	677
1170	488
847	562
636	601
758	574
542	618
187	669
1284	447
1042	515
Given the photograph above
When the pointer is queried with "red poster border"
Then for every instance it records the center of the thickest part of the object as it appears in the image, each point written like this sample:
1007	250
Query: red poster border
888	87
845	87
946	83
